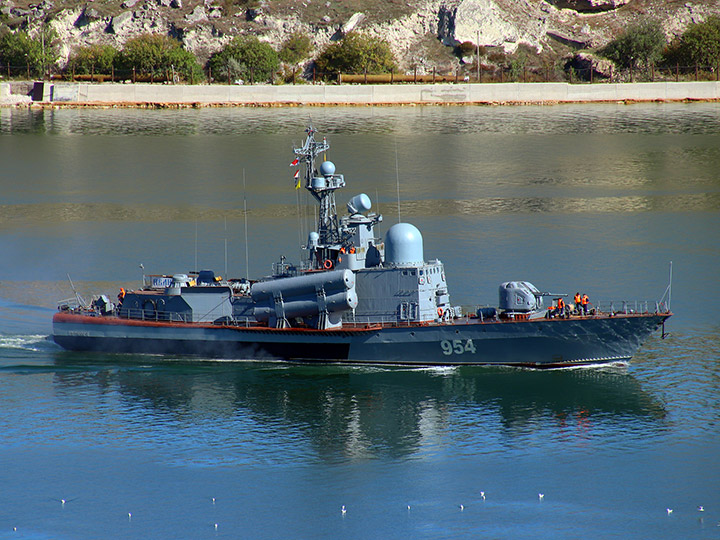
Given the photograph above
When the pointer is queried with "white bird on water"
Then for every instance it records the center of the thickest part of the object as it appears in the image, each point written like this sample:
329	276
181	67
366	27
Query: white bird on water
701	508
541	496
669	511
482	494
343	510
462	508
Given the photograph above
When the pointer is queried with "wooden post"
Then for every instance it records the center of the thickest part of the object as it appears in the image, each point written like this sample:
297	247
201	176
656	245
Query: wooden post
313	74
294	70
592	72
210	79
228	73
365	79
524	74
252	75
112	73
433	75
134	75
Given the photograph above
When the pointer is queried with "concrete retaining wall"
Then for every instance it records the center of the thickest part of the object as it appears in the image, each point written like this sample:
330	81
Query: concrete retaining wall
132	94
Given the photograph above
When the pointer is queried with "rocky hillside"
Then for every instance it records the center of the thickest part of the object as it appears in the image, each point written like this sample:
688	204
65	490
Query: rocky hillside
422	33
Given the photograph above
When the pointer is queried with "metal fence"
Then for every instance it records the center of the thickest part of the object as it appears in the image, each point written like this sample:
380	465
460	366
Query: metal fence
483	74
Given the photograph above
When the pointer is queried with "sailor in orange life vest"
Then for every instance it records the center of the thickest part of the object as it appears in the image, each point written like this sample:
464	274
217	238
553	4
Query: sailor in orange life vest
121	296
578	302
585	303
559	309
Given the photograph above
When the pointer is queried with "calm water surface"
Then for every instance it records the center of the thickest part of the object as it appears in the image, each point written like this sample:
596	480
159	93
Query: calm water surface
591	198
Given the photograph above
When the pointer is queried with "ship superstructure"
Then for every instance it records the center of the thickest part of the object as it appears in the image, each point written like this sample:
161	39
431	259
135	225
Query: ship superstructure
356	297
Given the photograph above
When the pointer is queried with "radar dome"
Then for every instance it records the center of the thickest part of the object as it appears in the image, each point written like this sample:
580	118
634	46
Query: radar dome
327	168
404	245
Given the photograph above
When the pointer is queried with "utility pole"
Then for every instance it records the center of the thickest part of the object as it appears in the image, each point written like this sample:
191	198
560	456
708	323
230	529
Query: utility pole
478	55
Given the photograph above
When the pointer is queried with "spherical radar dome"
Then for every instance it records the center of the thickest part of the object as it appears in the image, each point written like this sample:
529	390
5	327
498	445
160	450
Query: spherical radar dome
327	168
404	245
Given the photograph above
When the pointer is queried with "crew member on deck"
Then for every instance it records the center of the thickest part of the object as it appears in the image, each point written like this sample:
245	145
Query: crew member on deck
585	304
578	303
121	296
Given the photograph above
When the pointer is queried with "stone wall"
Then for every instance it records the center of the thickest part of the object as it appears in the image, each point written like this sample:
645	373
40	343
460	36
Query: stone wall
81	94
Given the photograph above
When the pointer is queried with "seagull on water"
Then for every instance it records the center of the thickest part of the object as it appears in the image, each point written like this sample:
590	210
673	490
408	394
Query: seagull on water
541	496
482	494
669	511
343	510
701	508
462	508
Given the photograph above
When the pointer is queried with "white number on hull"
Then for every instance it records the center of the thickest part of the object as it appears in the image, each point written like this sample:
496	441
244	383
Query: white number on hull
456	346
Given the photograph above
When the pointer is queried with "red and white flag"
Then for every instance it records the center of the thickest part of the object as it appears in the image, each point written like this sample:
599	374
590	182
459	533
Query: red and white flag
295	162
297	174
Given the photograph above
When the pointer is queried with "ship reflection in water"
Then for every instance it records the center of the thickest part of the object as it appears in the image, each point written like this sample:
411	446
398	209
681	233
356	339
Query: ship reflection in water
212	413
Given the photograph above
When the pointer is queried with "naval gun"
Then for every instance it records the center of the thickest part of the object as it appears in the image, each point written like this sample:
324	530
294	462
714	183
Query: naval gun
522	297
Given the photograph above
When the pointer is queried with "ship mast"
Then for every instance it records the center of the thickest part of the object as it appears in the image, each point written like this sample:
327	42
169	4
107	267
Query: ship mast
322	185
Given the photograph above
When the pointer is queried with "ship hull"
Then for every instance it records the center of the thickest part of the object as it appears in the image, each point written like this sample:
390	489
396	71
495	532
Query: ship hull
533	343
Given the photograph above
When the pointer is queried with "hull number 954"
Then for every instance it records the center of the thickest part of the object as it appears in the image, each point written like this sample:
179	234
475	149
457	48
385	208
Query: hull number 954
457	346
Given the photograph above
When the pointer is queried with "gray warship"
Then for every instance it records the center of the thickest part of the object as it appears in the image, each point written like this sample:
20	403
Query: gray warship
356	298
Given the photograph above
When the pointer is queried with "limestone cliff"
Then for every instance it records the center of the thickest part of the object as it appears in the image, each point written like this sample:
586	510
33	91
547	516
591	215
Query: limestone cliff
422	33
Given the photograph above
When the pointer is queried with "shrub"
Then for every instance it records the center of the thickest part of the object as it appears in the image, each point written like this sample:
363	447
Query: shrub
245	57
356	53
466	48
93	59
18	49
295	48
642	44
156	54
700	44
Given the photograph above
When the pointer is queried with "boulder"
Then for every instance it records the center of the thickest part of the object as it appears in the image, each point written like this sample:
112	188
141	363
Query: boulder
198	14
127	4
352	23
119	21
177	4
485	21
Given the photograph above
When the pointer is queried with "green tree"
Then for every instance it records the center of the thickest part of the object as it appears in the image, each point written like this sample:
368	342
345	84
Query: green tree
245	57
157	55
93	59
296	47
642	44
20	50
700	44
355	53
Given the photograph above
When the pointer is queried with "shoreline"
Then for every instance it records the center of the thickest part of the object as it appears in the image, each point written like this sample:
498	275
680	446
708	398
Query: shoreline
47	95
